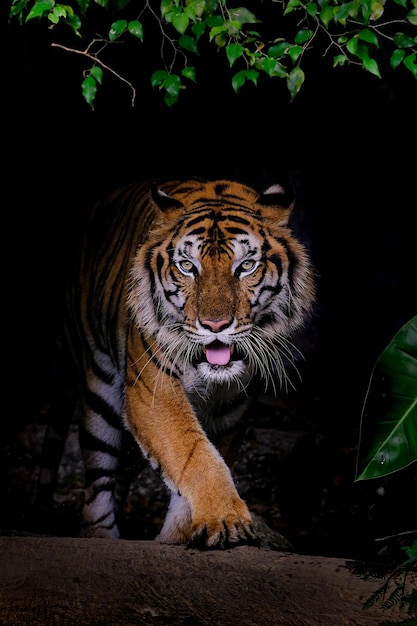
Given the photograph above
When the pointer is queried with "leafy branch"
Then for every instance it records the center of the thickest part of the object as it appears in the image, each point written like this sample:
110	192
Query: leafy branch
354	30
95	74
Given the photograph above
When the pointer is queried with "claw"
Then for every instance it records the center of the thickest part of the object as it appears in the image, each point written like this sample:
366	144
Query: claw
224	539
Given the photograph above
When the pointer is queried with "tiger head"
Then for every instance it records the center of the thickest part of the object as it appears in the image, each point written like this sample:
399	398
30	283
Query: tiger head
219	281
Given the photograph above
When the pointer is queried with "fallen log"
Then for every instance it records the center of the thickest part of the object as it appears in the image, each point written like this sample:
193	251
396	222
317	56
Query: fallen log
47	581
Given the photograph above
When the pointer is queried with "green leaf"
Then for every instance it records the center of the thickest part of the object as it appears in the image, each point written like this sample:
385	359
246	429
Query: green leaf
97	73
221	39
211	7
180	22
354	8
292	4
402	3
396	58
198	6
238	80
412	16
135	28
233	52
170	100
53	17
83	4
241	77
217	30
158	78
58	11
74	22
252	75
198	29
359	49
326	14
371	66
366	9
294	52
352	45
295	81
165	7
253	35
340	59
189	11
17	8
89	90
273	68
214	20
117	29
342	13
278	49
188	43
39	8
369	36
312	9
388	440
189	72
410	64
172	84
402	40
303	35
377	10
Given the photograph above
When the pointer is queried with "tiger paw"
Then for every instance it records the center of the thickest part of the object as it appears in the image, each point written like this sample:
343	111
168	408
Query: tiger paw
223	529
221	535
215	530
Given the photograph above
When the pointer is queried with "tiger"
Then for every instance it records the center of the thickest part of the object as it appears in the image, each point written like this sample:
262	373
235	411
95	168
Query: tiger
184	300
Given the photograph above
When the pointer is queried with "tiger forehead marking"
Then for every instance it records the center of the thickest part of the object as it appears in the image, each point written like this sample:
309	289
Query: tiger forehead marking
219	235
197	193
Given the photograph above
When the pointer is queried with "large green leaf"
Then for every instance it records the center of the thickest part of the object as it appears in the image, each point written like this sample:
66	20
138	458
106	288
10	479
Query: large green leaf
388	440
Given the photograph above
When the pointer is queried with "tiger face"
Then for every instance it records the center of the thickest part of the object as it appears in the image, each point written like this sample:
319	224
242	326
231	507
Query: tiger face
229	284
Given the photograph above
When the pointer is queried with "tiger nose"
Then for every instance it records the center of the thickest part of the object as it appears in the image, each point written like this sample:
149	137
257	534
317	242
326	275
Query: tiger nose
216	325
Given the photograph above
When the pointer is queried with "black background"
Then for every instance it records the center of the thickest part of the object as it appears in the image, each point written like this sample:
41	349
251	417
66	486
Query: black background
348	140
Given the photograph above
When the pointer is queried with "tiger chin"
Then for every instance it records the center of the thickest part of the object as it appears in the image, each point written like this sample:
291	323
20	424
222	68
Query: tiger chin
185	299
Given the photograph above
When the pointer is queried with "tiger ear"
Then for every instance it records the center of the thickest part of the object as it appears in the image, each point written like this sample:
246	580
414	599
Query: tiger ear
163	201
277	203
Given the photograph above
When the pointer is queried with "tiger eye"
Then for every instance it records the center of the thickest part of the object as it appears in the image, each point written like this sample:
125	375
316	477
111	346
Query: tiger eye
247	265
187	266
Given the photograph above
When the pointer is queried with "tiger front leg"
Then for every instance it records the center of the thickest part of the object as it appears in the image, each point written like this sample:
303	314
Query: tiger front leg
205	510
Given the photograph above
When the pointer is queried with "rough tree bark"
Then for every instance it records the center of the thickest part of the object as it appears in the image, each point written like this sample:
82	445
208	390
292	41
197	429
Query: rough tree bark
96	582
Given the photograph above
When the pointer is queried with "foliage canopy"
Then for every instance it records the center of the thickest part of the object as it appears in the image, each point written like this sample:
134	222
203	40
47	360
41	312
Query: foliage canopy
376	35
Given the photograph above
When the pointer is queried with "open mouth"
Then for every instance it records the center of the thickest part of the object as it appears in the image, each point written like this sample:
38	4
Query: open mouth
218	353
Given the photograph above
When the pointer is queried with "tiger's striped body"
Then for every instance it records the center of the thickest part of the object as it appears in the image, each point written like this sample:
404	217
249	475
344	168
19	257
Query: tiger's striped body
186	297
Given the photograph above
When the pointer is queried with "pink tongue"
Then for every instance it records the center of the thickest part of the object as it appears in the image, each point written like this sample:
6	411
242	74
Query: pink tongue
218	354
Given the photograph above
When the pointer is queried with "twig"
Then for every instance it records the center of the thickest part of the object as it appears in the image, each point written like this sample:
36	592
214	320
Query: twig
93	58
